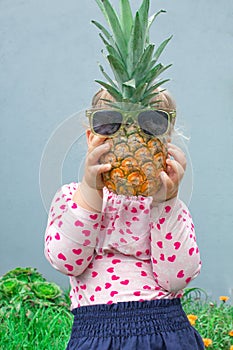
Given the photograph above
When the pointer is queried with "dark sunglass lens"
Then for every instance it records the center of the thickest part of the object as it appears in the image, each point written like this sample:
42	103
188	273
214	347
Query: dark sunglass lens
106	123
153	122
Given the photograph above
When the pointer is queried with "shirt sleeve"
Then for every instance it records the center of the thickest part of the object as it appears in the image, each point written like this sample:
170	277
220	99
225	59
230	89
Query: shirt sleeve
71	233
175	254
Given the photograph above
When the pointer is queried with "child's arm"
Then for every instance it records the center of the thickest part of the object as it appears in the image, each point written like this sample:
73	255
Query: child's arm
175	254
71	233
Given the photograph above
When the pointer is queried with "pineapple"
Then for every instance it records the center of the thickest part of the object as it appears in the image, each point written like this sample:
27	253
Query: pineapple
136	158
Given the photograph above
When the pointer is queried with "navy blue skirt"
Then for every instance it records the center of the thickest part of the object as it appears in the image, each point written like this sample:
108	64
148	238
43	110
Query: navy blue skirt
150	325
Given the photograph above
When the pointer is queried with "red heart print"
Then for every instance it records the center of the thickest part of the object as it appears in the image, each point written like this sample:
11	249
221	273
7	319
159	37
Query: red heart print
134	210
79	223
129	231
93	216
188	280
167	208
77	251
115	278
99	257
92	298
138	253
137	293
162	220
83	287
146	211
61	256
180	274
160	244
171	258
87	242
135	238
177	245
94	274
74	206
69	267
95	226
108	285
110	255
98	289
143	273
125	283
60	224
86	233
138	264
147	287
191	251
128	223
116	261
62	207
162	257
135	218
154	261
79	262
114	292
169	236
122	240
57	236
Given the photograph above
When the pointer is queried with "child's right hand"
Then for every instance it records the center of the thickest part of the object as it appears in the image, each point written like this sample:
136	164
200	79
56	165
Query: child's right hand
93	169
89	194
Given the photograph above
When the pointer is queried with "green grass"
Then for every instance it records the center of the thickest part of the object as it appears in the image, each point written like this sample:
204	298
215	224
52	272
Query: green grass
44	328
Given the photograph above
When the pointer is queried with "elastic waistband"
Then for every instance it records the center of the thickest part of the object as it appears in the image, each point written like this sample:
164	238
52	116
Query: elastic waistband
129	318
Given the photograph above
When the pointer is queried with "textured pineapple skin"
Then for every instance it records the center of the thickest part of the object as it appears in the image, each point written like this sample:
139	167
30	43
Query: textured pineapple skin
137	160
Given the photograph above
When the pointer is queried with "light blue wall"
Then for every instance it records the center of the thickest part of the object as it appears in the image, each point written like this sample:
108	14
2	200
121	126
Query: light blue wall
48	63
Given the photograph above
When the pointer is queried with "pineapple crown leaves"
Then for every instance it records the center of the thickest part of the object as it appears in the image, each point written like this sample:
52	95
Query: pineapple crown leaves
131	56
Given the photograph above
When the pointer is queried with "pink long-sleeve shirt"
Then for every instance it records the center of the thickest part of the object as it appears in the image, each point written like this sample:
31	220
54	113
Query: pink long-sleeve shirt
129	251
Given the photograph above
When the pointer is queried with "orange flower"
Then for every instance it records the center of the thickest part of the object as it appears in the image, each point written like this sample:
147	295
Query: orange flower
231	348
207	342
231	333
223	298
192	319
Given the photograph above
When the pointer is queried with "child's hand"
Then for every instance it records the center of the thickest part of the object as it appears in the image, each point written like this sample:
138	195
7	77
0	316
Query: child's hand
172	178
93	169
89	193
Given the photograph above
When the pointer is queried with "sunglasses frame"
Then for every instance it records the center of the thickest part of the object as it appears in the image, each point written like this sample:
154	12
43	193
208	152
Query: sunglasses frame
126	115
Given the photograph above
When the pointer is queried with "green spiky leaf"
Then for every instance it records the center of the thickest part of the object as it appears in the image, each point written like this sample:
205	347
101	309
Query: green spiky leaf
115	93
126	18
161	47
115	27
144	63
143	16
155	86
111	82
135	46
104	31
118	69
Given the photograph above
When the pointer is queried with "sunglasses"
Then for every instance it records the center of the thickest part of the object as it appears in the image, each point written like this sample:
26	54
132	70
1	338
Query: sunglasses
108	123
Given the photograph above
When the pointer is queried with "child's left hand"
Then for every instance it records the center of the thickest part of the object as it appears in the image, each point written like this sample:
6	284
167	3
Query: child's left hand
173	176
